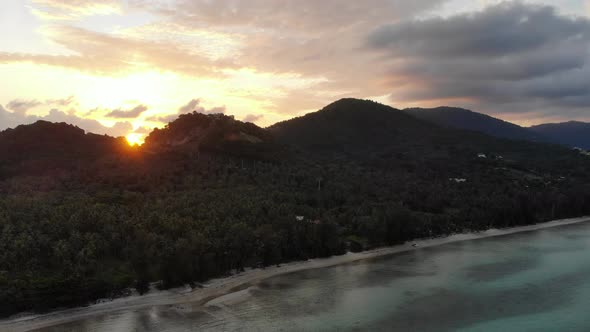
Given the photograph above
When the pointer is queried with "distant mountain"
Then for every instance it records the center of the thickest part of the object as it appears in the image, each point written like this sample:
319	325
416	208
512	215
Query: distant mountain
377	135
213	133
465	119
573	133
351	125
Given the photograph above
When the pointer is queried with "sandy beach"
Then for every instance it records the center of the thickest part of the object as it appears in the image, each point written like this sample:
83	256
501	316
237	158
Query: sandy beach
234	285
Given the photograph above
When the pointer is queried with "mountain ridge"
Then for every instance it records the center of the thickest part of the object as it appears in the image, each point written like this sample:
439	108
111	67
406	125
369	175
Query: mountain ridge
571	133
460	118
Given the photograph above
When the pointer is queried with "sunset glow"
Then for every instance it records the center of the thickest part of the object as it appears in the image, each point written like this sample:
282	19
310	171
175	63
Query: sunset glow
87	64
135	139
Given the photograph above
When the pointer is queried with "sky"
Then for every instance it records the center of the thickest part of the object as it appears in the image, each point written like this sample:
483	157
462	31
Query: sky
123	67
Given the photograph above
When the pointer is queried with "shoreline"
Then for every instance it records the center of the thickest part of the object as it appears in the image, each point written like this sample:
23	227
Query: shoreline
220	287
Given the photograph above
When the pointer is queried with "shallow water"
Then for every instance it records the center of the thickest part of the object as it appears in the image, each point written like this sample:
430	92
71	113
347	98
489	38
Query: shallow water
534	281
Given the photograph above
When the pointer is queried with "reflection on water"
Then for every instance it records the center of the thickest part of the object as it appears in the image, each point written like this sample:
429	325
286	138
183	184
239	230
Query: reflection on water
536	281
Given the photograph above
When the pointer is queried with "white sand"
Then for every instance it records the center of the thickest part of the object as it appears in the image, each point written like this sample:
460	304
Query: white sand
225	289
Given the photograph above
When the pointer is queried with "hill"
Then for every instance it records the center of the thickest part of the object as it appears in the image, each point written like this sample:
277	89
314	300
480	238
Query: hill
460	118
350	124
213	133
44	146
573	133
369	131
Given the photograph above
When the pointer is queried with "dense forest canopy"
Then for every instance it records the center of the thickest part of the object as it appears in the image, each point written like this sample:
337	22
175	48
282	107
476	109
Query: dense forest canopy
82	217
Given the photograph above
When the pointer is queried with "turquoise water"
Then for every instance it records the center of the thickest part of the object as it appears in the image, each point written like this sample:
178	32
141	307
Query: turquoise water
534	281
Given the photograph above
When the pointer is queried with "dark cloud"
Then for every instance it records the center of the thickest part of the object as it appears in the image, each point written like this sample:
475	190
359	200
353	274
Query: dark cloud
253	117
494	60
127	114
505	29
22	106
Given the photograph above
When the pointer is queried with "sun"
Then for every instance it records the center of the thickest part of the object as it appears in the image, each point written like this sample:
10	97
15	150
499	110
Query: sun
134	139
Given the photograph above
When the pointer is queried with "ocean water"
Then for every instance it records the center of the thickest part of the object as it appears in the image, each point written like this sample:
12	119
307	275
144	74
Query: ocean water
533	281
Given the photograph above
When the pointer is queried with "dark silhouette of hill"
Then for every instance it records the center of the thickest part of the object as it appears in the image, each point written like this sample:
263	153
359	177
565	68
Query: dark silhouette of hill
573	133
43	145
213	133
460	118
352	126
371	131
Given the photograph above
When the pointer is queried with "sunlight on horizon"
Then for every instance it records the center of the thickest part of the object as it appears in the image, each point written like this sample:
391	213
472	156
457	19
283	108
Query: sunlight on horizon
94	65
135	139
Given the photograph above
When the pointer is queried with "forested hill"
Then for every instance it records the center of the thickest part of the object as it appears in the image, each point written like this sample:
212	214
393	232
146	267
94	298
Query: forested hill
460	118
367	131
43	146
209	195
351	125
214	133
573	133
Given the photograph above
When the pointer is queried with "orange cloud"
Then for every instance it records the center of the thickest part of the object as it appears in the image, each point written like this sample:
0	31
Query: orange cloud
64	9
106	54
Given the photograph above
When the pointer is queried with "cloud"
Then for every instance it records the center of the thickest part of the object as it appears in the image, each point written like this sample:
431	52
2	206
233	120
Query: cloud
163	119
308	39
71	100
22	106
124	54
253	117
303	15
13	119
287	57
143	130
67	9
505	29
506	56
127	114
120	128
214	110
10	119
192	106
